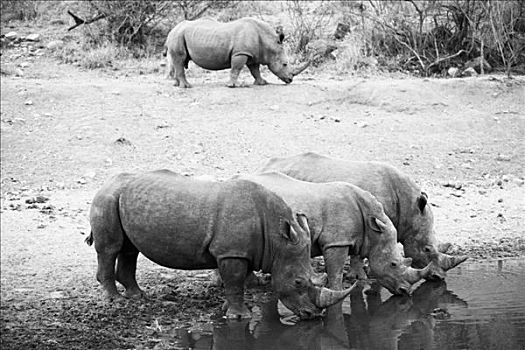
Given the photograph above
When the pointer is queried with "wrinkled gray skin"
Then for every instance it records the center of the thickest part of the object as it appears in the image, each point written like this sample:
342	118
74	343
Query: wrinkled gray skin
177	222
215	46
344	219
402	200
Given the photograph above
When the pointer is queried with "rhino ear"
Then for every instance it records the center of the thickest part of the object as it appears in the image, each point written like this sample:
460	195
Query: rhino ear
377	225
302	220
422	201
286	230
280	32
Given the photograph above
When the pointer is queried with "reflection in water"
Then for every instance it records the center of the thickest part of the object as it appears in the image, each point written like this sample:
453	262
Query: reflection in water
432	318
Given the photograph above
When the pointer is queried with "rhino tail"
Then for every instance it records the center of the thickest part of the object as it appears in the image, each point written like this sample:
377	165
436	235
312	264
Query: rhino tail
89	239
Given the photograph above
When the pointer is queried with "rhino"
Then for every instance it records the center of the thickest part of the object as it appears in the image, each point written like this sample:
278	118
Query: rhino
216	46
403	201
344	219
183	223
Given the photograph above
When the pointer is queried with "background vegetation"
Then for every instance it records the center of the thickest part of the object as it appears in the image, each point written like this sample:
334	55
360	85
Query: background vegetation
422	37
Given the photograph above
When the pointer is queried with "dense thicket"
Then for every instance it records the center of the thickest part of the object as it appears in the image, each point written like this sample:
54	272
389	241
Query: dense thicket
424	36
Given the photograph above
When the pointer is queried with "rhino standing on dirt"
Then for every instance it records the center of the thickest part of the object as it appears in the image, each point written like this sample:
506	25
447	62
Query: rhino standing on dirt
402	200
344	219
215	46
182	223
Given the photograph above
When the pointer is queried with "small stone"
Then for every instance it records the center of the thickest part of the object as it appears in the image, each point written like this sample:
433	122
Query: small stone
41	226
482	192
123	141
453	72
82	181
500	200
337	120
55	44
28	102
470	72
57	295
57	21
503	158
519	182
33	37
162	64
11	35
362	124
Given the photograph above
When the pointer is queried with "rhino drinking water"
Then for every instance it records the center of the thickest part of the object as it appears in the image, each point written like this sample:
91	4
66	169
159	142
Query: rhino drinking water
402	200
215	46
182	223
344	219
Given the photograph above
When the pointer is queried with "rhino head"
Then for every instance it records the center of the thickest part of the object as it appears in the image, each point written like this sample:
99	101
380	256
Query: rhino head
278	59
292	272
386	260
421	243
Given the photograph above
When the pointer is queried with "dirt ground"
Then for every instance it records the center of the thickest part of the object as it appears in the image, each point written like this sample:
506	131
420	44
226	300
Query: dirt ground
65	131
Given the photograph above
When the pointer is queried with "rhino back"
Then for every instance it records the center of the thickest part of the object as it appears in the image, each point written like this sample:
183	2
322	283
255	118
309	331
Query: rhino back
211	44
186	224
334	217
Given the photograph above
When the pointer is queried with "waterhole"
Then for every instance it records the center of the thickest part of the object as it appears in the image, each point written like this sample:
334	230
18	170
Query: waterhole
480	306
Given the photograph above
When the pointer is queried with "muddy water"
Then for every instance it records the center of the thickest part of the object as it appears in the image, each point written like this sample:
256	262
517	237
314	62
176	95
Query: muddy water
481	306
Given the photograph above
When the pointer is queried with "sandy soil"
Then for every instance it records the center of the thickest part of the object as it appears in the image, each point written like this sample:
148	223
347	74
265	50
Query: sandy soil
65	131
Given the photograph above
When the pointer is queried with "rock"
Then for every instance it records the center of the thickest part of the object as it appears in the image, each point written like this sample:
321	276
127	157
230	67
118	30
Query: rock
90	175
57	21
503	158
453	72
469	72
57	295
476	63
341	31
33	37
11	35
55	44
518	181
163	64
28	102
123	141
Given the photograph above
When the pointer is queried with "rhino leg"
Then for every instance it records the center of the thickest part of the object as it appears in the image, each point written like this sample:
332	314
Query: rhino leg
334	261
126	268
254	69
357	269
170	74
109	238
237	63
178	61
233	273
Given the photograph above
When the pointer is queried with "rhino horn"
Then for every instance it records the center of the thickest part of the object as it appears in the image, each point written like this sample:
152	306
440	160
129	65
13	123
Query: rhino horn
447	262
325	297
412	275
300	69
